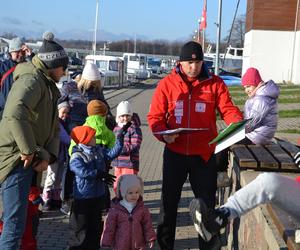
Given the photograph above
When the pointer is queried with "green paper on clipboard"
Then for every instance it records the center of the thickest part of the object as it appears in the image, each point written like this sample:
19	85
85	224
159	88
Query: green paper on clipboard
233	133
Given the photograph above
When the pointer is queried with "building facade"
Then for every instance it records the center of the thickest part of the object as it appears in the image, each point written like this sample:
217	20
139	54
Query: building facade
272	39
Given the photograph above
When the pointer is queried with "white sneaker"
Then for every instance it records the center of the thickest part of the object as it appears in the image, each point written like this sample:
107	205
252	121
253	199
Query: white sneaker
223	180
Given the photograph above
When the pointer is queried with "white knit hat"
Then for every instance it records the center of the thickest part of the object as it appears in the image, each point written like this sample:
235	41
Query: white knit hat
124	108
15	44
127	181
90	72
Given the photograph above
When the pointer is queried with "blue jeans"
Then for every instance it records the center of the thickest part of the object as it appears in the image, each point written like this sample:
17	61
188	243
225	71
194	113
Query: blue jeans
15	191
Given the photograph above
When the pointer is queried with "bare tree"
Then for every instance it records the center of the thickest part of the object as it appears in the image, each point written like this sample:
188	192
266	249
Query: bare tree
238	32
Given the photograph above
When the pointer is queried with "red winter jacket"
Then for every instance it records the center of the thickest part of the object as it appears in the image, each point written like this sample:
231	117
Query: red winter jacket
176	104
124	231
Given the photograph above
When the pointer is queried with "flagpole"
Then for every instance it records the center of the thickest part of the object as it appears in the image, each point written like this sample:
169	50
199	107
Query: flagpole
203	39
95	28
203	23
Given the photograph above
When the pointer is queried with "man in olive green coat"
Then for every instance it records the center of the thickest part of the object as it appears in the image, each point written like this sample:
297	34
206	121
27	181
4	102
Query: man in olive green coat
29	133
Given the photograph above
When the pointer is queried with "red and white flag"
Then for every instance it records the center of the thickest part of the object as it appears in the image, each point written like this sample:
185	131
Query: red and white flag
203	23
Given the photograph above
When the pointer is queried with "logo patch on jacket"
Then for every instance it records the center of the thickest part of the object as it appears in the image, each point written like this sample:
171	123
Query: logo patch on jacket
200	107
178	112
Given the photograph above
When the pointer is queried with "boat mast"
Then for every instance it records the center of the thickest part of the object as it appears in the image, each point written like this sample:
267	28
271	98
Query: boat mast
218	38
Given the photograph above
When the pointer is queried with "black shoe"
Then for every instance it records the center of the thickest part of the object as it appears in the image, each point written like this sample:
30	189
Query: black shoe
207	221
66	207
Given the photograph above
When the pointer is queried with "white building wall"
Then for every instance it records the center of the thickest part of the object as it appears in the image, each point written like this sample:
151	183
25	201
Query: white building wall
296	64
272	53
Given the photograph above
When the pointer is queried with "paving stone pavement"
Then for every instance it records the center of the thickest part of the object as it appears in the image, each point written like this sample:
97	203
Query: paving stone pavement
53	229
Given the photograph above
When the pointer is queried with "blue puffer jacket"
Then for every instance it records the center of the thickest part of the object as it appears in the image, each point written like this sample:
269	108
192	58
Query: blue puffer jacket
4	67
87	162
262	108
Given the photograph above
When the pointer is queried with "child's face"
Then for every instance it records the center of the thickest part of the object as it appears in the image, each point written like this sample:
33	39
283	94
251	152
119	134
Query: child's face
133	194
249	89
124	119
63	113
92	142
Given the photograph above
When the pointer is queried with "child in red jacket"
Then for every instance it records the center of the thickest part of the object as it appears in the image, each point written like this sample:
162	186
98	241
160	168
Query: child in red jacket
33	213
128	225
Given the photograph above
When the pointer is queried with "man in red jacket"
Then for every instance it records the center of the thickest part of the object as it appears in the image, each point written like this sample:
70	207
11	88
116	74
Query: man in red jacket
188	98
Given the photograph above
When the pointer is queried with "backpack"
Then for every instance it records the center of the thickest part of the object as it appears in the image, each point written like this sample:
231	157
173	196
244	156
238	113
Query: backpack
2	98
6	74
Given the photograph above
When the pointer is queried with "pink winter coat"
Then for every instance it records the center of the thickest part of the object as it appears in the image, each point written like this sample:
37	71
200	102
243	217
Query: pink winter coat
125	231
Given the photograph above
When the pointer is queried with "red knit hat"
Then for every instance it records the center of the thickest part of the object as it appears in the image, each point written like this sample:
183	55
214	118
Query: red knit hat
82	134
251	77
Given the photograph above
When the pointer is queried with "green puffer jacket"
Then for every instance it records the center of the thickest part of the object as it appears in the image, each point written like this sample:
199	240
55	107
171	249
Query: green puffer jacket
30	117
104	136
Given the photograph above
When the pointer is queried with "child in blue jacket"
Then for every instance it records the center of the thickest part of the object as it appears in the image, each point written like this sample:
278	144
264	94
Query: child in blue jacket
88	164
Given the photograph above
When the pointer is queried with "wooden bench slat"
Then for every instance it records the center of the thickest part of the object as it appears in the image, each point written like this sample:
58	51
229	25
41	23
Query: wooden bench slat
285	160
291	148
265	159
244	158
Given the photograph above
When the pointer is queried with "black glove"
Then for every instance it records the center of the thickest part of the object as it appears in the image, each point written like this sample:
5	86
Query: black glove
109	179
123	131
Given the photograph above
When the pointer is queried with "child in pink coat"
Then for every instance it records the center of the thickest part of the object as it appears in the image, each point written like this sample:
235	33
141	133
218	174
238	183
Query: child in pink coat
128	225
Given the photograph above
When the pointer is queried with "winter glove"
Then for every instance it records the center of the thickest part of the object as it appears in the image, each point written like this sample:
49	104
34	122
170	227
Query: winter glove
123	131
109	179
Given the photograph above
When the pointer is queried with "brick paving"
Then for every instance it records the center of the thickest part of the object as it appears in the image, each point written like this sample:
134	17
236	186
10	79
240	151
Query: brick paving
53	228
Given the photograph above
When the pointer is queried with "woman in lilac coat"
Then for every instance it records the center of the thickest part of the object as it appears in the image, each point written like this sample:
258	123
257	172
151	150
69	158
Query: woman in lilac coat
261	107
128	225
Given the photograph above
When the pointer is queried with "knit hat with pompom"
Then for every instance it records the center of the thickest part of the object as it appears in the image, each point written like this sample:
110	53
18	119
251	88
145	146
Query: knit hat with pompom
51	53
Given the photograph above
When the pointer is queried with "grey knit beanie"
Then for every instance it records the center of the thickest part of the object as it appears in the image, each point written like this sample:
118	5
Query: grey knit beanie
15	44
51	53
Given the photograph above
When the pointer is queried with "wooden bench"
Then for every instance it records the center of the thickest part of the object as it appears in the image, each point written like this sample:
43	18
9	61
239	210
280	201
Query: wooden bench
276	157
273	157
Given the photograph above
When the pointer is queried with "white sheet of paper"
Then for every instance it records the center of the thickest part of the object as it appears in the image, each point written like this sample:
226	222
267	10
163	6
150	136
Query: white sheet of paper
178	130
234	138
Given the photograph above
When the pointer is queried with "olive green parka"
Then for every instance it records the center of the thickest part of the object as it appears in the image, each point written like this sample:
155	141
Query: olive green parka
30	118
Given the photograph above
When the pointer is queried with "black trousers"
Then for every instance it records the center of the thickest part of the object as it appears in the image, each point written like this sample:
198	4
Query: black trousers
86	224
203	179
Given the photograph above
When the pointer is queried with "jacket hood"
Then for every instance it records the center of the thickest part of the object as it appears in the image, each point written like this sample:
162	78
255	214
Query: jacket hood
29	67
269	89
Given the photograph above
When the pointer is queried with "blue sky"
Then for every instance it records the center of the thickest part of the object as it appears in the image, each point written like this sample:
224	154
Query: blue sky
149	19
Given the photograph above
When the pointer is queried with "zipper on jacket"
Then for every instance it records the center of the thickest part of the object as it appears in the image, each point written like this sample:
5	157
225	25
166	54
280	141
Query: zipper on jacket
131	225
188	125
